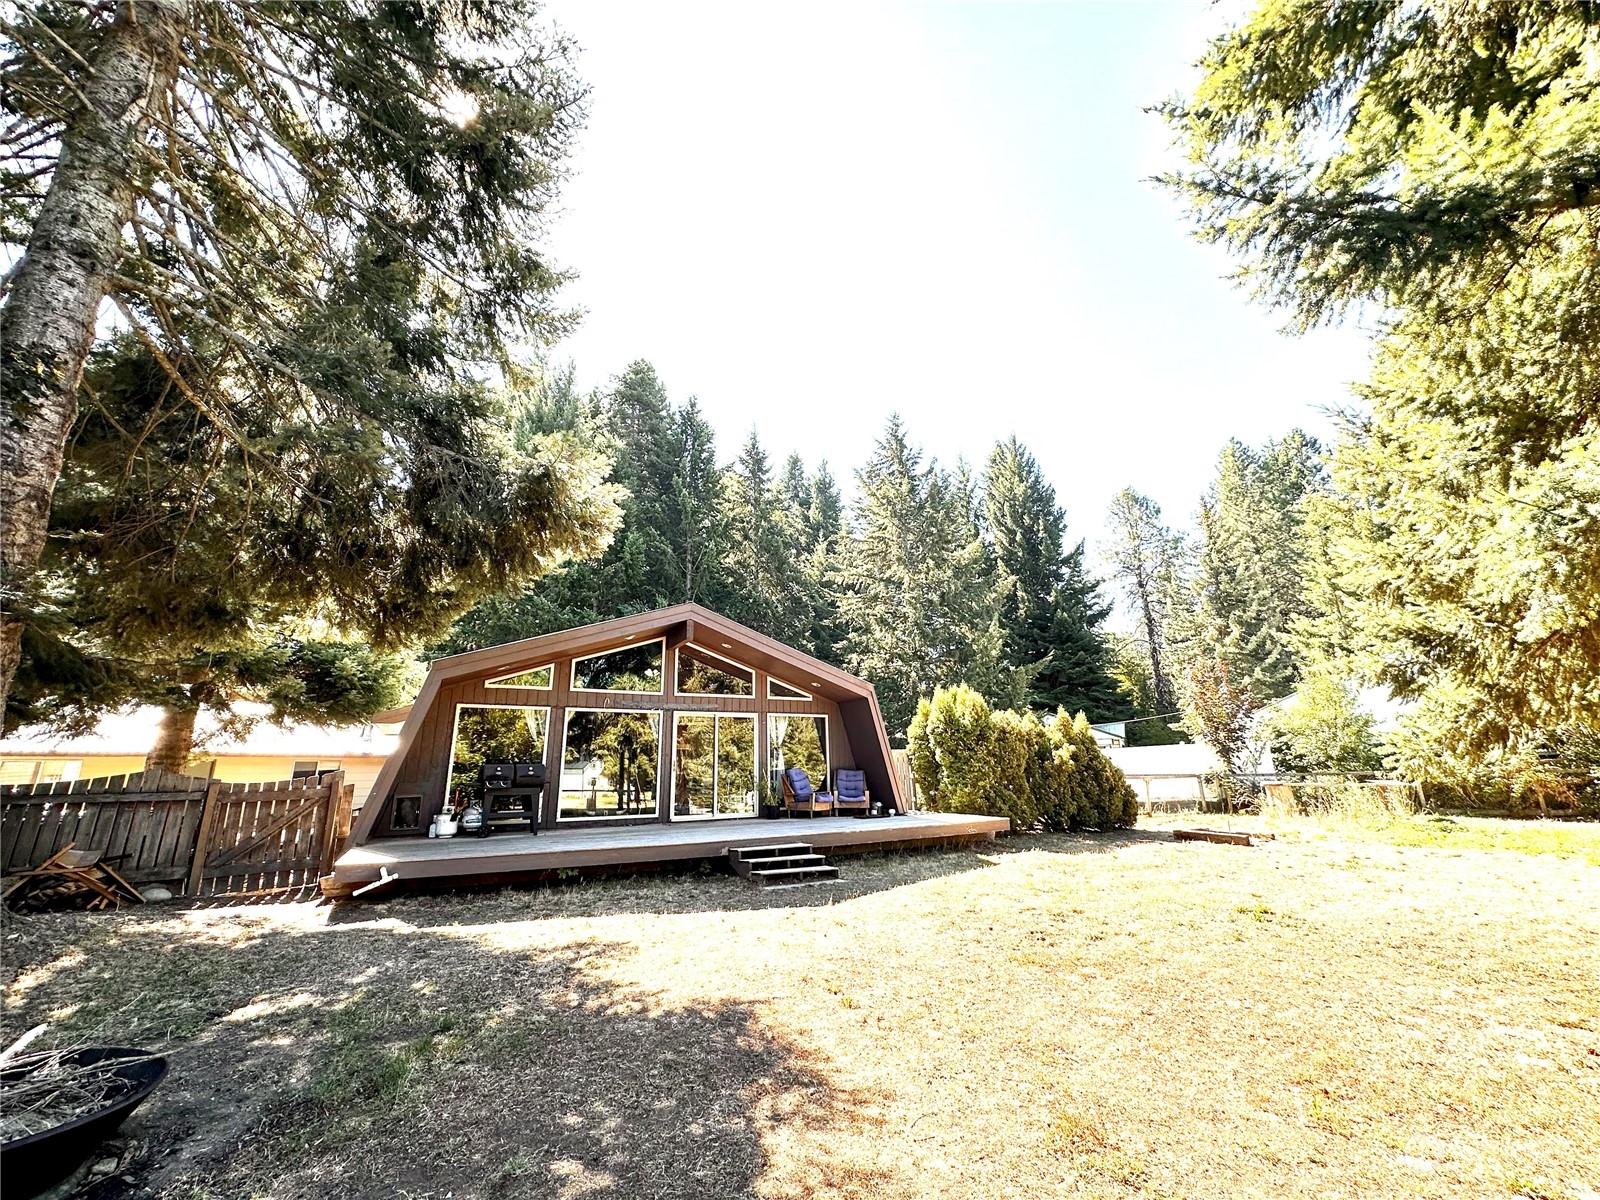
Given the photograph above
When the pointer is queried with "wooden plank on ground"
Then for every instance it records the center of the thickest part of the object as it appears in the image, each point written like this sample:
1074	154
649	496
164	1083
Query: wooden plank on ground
1225	837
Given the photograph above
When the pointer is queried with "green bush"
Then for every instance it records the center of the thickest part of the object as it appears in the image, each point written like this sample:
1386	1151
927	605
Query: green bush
1050	774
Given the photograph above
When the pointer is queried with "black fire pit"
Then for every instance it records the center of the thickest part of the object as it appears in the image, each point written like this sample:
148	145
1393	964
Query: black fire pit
29	1165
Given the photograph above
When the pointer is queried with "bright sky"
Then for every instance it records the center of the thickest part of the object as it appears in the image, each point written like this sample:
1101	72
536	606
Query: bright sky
813	216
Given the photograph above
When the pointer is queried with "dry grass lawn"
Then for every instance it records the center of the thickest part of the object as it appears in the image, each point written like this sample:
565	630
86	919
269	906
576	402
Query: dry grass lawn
1338	1013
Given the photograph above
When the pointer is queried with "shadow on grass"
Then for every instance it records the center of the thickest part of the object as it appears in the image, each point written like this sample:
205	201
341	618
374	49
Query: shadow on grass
389	1059
711	888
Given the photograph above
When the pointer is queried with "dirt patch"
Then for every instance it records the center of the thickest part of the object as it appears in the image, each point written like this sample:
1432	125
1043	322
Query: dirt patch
1328	1014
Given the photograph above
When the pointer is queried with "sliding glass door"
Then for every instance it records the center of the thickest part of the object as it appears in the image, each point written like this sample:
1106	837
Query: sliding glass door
714	765
608	764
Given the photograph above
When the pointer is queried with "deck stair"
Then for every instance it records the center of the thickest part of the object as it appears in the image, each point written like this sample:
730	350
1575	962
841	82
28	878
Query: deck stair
783	864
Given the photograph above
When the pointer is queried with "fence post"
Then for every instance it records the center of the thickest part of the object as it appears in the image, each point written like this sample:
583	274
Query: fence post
208	818
335	820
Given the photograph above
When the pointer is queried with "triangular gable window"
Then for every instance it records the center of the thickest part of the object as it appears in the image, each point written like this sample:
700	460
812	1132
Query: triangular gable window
538	677
778	690
701	673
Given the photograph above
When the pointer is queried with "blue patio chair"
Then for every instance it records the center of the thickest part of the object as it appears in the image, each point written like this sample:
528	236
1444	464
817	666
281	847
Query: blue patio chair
800	797
850	792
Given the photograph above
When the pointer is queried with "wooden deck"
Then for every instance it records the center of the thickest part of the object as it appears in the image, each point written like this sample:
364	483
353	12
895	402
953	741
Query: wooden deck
503	855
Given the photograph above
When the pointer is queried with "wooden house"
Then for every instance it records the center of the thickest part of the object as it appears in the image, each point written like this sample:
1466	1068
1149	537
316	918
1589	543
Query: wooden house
661	734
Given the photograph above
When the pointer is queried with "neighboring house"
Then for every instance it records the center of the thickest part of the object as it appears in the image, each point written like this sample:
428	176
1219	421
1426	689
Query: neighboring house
119	743
1174	772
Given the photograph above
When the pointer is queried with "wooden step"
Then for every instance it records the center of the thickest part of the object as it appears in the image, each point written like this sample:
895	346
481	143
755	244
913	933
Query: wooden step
776	850
743	867
793	876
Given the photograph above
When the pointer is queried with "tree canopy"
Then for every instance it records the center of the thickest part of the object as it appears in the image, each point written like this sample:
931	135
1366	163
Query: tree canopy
1049	605
1390	149
1441	162
319	228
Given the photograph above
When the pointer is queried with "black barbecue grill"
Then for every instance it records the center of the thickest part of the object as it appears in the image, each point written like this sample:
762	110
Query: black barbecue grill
513	793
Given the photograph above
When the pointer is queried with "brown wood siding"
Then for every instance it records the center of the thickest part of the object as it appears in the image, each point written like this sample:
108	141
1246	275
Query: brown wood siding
425	762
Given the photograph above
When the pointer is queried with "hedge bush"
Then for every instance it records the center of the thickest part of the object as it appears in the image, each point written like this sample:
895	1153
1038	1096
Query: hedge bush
968	758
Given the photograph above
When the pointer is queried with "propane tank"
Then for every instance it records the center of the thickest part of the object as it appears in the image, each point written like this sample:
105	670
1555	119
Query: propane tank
445	823
472	821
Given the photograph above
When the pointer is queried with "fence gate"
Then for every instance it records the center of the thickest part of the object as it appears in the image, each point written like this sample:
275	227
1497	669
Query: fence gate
202	836
257	838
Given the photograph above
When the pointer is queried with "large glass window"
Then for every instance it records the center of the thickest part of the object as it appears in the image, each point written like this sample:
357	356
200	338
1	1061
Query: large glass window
538	677
795	740
714	766
609	764
703	673
493	733
628	669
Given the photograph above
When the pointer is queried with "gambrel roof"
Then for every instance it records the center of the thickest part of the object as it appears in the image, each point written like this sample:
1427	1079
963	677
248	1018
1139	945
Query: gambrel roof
680	624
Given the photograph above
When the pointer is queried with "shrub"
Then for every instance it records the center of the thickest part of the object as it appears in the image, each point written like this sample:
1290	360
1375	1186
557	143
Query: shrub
969	758
1322	728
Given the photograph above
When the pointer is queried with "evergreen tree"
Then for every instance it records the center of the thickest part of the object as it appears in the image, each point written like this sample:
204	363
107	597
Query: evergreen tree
285	203
1250	581
673	534
825	516
1049	606
1144	555
763	565
1079	678
284	561
825	534
697	525
916	600
795	496
1439	160
1025	528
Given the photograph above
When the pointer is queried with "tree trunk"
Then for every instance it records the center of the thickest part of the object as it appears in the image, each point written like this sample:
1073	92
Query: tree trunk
48	323
175	742
1164	694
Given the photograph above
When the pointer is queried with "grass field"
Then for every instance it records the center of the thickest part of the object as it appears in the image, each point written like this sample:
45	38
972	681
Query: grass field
1407	1009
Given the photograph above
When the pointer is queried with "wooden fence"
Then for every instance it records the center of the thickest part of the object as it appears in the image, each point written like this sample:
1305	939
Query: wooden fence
901	761
196	836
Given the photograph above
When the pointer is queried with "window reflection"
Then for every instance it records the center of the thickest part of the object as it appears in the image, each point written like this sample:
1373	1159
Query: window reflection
609	764
493	733
797	741
714	771
627	669
702	673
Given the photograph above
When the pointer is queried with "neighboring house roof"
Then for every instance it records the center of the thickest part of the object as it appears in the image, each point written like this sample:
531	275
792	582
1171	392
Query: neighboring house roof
133	732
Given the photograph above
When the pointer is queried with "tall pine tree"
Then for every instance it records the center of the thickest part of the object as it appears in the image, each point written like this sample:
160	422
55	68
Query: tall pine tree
1143	554
917	594
1250	583
1049	606
764	563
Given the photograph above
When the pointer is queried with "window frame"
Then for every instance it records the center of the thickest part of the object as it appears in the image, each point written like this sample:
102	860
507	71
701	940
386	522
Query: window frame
561	763
572	671
716	741
498	682
802	693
